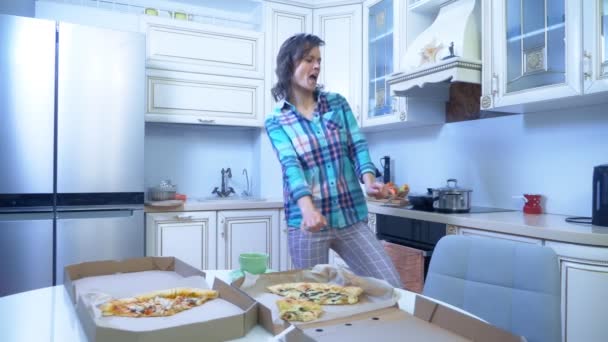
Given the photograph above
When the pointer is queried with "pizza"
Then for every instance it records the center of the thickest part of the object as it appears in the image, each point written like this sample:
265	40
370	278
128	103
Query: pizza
320	293
157	303
298	310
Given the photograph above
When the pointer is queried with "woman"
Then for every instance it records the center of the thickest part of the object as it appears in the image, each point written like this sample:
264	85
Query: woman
323	157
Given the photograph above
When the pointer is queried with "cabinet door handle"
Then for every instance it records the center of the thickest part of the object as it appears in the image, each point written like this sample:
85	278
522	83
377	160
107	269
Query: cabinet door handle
587	61
494	84
224	230
183	217
206	121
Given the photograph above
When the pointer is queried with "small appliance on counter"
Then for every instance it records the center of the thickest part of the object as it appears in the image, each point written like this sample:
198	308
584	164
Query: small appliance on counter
599	212
385	162
599	209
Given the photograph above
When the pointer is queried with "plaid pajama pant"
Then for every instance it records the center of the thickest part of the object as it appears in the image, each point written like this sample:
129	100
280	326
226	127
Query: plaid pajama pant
356	244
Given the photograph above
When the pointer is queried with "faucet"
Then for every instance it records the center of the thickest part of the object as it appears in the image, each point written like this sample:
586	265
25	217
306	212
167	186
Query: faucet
225	190
247	191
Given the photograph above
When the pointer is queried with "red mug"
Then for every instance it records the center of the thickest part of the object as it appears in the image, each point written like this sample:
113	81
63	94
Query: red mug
532	205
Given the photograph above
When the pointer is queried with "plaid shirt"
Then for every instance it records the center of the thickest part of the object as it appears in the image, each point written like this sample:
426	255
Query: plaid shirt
323	158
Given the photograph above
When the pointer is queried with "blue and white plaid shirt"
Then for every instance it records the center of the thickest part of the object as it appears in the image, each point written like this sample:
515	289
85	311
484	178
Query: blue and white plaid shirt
324	158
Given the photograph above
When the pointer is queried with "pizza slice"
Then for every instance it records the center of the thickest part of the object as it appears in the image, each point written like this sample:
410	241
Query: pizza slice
320	293
158	303
298	310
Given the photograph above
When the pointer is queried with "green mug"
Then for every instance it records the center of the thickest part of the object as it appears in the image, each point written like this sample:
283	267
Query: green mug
254	263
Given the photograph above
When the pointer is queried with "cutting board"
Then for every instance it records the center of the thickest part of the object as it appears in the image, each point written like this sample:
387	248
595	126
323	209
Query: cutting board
394	202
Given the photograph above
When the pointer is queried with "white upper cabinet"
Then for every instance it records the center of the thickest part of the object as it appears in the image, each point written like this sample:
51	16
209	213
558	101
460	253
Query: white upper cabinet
386	34
381	28
281	22
193	47
595	44
340	28
540	55
203	74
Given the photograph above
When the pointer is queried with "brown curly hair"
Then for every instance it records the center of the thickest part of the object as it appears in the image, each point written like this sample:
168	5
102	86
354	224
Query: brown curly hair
290	54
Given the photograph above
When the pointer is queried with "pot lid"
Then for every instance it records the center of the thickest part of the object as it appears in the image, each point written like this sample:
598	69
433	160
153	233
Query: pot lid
452	187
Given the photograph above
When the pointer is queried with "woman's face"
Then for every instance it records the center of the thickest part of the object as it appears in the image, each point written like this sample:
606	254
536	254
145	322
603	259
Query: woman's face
307	71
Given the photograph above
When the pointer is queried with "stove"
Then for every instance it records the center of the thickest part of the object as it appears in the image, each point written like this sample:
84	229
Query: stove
474	210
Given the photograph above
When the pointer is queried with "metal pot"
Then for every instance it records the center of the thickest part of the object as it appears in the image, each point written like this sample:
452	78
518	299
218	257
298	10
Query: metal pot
452	199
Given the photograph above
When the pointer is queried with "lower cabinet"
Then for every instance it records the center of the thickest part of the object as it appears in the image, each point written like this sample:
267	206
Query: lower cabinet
584	274
494	235
247	231
214	239
189	236
584	281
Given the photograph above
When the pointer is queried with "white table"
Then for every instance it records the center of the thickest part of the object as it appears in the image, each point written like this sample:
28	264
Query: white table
48	314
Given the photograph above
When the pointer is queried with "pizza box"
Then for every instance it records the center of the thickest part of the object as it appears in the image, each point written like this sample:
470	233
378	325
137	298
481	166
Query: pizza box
229	316
377	294
431	321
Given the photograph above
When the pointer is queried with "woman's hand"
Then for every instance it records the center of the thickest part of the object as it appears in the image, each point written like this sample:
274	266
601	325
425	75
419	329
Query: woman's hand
373	188
312	219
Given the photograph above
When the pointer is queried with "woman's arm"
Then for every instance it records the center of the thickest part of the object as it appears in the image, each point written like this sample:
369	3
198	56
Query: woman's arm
292	169
299	190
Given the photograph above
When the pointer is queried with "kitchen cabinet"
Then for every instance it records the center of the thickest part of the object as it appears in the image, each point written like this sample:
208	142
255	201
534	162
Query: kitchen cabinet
584	276
281	22
535	51
199	48
385	39
381	39
203	74
192	98
340	28
494	235
189	236
247	231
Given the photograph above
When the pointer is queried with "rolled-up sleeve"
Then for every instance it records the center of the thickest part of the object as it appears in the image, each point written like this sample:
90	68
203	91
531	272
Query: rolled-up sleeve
292	169
358	151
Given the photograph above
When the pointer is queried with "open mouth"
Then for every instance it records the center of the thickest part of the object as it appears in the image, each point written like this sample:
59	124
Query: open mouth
313	78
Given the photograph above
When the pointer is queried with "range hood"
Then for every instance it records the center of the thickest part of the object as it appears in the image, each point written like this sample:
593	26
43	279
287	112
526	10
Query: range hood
447	51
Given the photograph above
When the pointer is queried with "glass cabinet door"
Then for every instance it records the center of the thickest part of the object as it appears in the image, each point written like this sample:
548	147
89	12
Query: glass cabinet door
535	44
380	57
604	38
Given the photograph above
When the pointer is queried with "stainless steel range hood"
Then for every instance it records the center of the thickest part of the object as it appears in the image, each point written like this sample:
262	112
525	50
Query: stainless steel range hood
447	51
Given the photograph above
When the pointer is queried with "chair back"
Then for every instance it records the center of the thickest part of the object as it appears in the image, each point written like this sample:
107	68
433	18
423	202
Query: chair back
512	285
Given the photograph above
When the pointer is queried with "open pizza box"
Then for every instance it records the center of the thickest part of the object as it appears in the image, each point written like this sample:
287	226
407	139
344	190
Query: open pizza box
377	294
89	284
431	321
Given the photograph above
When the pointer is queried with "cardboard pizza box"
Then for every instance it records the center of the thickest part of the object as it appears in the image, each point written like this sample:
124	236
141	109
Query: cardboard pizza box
229	316
431	321
377	294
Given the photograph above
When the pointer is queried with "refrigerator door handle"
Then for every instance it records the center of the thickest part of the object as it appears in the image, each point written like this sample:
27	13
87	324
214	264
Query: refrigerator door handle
88	214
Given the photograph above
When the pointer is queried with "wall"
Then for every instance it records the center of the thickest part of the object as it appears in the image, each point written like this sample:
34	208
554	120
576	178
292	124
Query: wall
551	153
24	8
192	156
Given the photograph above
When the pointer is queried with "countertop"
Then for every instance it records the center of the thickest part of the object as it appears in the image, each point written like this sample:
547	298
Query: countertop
47	314
219	204
544	226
